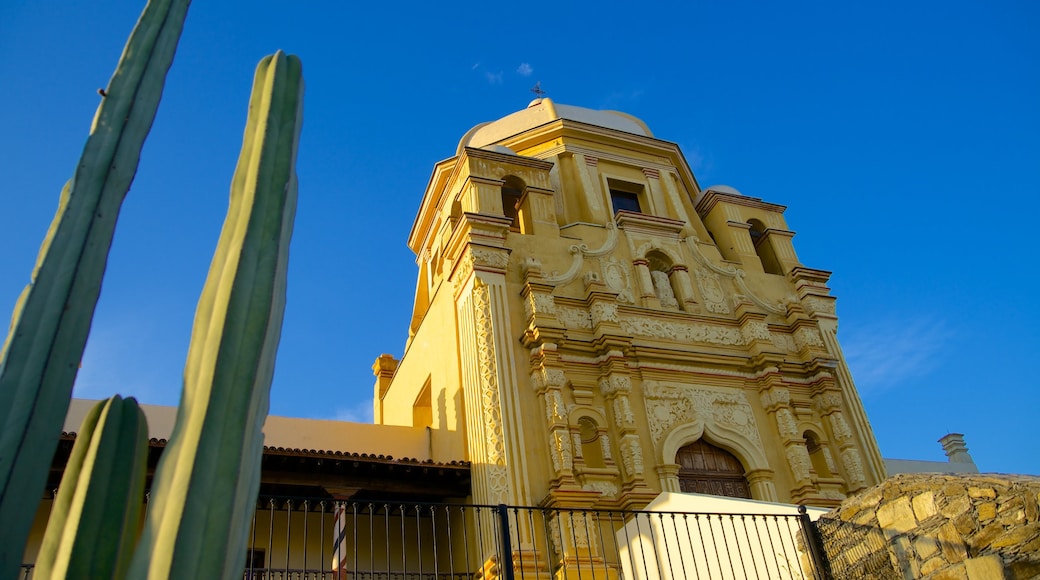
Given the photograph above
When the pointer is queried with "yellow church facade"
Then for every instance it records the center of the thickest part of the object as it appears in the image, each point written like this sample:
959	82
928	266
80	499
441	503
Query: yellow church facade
591	328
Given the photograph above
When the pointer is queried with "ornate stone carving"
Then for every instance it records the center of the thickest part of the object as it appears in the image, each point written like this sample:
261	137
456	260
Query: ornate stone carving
489	403
668	406
603	312
562	456
783	341
623	414
604	443
538	303
775	396
828	402
607	488
798	459
488	257
810	337
711	289
616	277
839	427
632	455
816	305
682	331
573	317
663	289
853	467
755	330
612	384
554	409
785	423
829	459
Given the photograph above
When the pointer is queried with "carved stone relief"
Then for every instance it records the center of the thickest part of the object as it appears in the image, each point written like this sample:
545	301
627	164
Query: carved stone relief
603	312
538	303
798	459
682	331
663	289
785	423
489	257
607	488
755	330
839	427
632	455
711	290
783	341
804	337
490	404
853	467
562	456
615	275
668	406
574	317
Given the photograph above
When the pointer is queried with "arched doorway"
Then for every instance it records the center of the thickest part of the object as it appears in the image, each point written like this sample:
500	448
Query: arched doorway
704	468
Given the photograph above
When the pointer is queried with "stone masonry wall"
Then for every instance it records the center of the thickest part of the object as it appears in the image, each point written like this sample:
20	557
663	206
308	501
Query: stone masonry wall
939	527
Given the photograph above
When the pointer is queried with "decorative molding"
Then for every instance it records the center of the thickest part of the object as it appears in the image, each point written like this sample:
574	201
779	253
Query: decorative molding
615	384
574	317
853	467
783	341
491	407
737	275
539	303
603	312
798	459
668	406
580	251
755	330
488	257
808	337
616	277
682	331
711	290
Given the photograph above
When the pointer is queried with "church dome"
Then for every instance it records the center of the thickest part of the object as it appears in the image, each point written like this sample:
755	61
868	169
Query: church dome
542	111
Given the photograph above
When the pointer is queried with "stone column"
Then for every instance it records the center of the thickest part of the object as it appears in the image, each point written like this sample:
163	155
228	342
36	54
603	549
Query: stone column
777	402
828	404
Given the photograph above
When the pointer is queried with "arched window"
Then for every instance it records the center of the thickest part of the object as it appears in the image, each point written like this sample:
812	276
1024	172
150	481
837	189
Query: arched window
512	190
762	247
817	455
704	468
591	446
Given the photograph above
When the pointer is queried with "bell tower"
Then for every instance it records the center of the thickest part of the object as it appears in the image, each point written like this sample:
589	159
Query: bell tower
591	327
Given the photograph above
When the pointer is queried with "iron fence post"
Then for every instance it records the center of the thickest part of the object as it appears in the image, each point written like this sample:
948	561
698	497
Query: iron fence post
814	544
507	552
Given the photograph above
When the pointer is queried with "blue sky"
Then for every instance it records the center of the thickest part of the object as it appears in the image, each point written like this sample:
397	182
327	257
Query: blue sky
903	137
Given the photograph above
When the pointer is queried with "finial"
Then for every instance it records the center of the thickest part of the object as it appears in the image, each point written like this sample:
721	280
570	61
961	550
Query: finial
537	90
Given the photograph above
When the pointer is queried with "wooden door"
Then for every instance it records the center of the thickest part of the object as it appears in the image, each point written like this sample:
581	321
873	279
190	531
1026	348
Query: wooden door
704	468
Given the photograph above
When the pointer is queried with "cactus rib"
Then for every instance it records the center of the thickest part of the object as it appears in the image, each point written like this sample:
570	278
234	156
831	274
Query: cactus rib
52	317
95	517
214	454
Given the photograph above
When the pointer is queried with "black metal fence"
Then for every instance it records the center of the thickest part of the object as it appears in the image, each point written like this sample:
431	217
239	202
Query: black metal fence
301	539
324	539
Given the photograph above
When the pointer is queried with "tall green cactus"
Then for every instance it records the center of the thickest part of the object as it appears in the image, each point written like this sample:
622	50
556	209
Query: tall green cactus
96	515
204	491
52	318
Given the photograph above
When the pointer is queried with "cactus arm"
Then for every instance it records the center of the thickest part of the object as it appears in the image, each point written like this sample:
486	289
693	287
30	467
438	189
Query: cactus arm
95	517
213	457
52	319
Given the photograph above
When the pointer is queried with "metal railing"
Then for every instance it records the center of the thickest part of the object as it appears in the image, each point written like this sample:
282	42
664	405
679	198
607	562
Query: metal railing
376	540
324	539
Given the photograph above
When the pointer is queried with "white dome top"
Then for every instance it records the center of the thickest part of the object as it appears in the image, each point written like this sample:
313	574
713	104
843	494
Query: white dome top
542	111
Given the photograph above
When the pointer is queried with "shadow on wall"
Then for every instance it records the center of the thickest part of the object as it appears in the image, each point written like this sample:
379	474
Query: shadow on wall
916	525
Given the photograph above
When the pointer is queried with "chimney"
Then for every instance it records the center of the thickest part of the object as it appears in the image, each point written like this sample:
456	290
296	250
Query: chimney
956	450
